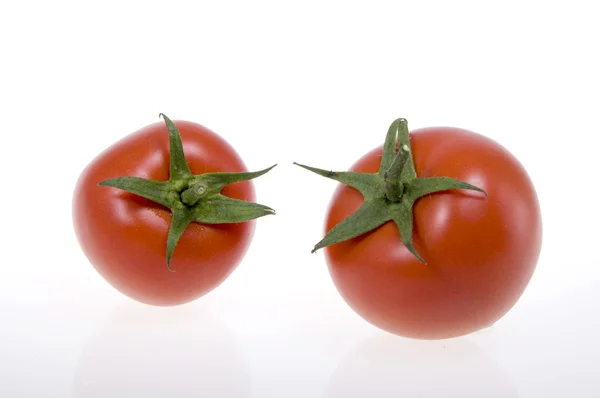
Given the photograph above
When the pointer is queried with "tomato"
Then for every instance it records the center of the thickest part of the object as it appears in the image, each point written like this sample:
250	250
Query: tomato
480	251
124	235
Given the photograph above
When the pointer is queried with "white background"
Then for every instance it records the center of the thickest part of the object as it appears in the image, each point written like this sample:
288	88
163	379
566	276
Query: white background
314	82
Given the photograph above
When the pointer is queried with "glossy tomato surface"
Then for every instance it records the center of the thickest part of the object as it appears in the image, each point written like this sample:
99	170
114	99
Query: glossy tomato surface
481	252
124	236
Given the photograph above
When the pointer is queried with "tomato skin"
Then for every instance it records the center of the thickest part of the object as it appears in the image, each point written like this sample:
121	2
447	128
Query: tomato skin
124	236
481	252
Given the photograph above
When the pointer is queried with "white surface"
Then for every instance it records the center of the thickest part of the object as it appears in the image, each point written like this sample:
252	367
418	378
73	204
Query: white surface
316	82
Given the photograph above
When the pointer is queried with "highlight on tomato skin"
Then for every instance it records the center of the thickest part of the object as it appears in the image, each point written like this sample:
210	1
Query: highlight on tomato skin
420	255
167	213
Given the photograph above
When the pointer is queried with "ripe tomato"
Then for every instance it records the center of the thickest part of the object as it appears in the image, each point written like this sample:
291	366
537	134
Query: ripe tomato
480	250
124	235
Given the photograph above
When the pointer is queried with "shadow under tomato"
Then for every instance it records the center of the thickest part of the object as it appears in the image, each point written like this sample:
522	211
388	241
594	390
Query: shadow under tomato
386	366
161	352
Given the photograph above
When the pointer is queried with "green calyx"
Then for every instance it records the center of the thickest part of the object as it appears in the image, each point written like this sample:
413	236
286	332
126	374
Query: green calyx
192	197
389	194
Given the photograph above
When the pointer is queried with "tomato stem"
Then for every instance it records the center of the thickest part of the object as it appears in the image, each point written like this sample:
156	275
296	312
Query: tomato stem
394	191
394	187
192	195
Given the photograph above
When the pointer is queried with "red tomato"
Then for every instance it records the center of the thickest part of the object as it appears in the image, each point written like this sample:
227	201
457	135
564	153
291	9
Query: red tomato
124	235
480	251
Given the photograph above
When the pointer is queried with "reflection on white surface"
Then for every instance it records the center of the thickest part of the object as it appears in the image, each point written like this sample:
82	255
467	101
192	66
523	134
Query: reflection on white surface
387	366
161	352
551	345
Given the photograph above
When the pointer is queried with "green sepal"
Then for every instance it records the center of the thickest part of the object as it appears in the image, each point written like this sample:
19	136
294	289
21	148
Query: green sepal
178	167
219	209
369	216
182	217
402	214
368	185
156	191
192	198
215	182
425	186
390	194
